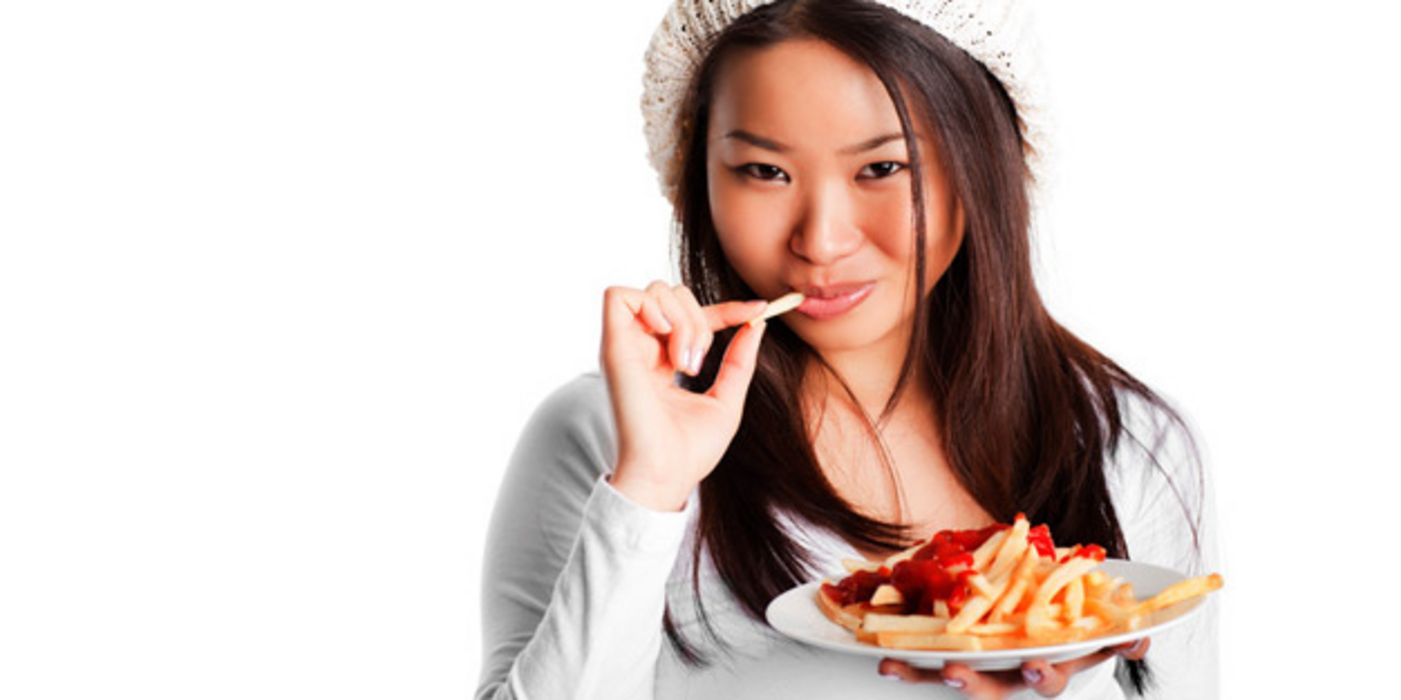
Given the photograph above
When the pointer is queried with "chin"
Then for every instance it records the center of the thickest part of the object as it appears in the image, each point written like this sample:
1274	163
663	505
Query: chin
837	335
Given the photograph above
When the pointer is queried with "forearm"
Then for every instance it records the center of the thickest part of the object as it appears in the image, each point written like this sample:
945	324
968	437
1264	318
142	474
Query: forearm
601	630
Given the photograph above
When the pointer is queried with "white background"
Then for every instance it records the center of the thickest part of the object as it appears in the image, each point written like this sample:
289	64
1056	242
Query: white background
281	281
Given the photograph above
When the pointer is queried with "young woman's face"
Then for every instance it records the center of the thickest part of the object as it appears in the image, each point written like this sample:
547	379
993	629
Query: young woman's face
809	186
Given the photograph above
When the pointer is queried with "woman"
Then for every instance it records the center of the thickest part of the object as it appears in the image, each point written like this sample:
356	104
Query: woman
856	153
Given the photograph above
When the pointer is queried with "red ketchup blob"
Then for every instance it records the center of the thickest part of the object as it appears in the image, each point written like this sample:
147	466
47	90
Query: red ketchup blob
940	570
1088	551
858	587
1040	538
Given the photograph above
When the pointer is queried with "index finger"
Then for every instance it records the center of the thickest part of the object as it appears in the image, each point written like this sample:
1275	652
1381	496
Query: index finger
732	313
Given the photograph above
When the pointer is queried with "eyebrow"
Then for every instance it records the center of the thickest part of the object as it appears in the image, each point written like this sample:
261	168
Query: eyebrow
776	147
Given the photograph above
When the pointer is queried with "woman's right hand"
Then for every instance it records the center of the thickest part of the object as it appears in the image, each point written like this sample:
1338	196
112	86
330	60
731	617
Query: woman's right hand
670	438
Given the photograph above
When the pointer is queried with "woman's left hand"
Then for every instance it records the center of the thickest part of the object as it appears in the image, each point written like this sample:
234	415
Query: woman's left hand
1046	679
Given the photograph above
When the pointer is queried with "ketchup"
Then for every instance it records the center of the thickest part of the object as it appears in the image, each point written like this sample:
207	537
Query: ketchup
1040	538
950	547
858	587
940	569
1088	551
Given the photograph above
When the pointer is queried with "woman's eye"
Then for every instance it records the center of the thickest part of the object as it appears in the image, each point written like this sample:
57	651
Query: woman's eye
762	171
884	169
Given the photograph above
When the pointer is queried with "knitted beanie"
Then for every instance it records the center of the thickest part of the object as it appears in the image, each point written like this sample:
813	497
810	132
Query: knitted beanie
997	33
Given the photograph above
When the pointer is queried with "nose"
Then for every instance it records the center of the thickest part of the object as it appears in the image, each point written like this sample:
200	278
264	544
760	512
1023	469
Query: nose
826	231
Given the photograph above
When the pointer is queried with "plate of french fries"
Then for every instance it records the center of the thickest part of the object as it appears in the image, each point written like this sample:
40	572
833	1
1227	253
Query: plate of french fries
990	598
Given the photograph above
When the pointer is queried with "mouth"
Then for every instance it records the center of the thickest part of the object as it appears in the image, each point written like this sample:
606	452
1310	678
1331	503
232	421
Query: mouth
830	301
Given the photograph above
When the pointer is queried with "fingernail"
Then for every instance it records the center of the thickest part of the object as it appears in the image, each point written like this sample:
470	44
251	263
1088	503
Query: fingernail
891	676
954	682
697	357
686	360
1032	676
1137	646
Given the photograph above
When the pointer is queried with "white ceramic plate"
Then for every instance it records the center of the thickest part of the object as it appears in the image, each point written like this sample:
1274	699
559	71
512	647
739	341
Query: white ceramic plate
796	615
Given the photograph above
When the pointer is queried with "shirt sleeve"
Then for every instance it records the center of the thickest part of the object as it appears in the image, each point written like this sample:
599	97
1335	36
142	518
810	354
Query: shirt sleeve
1167	510
574	574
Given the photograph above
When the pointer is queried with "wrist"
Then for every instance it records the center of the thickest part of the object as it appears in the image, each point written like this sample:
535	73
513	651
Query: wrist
647	493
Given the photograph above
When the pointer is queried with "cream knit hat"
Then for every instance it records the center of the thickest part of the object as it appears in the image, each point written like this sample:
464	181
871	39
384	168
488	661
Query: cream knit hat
998	33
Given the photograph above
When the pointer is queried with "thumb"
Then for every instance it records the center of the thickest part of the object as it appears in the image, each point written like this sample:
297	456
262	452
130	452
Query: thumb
737	369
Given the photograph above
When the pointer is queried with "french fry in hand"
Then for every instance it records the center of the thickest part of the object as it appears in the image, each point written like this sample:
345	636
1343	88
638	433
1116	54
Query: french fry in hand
779	306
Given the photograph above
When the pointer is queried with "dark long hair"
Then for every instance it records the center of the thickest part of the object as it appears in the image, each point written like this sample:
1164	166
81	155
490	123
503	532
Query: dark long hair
1027	411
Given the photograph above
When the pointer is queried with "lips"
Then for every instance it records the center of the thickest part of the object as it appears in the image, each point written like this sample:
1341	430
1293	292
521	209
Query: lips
831	291
830	301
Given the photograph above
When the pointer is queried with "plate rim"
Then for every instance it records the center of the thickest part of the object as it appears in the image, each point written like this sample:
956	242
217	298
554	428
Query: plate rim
994	659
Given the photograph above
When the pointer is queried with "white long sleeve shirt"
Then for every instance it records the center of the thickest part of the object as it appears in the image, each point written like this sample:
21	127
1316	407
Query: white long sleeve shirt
576	577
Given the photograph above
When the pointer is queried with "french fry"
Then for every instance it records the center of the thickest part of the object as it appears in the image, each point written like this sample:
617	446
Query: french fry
1012	596
972	611
1057	634
984	554
1041	612
841	615
947	642
1180	591
1074	600
778	307
1094	580
903	623
1102	608
854	565
1001	641
1004	607
988	628
887	595
1024	576
1088	623
1013	546
1123	594
1021	581
982	586
898	557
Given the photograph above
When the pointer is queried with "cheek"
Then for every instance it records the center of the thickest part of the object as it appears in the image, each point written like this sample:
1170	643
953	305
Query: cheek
891	225
751	229
888	219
